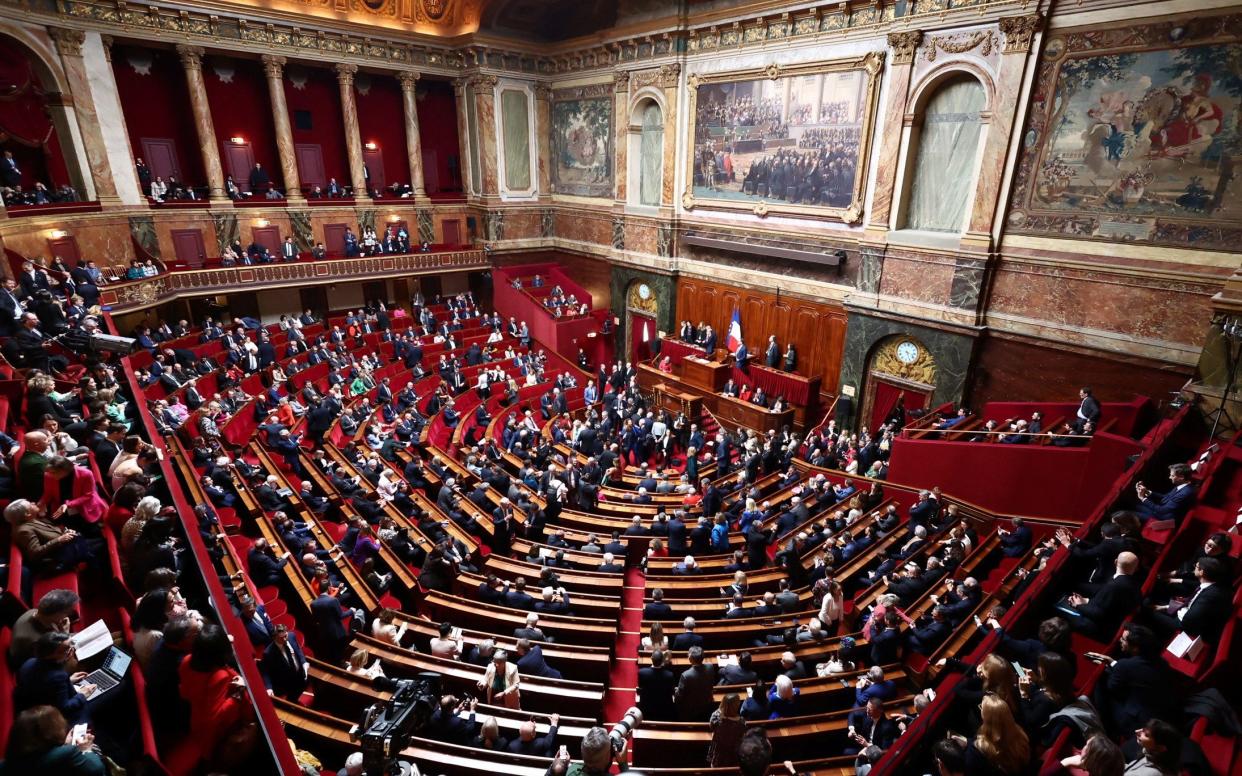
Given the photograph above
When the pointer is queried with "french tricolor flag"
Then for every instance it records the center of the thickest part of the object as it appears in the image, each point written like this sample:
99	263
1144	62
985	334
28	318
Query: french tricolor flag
734	337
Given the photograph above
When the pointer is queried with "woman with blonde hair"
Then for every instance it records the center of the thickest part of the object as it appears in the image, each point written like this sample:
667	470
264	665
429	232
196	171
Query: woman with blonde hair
656	639
357	665
832	606
1000	680
1100	757
1001	745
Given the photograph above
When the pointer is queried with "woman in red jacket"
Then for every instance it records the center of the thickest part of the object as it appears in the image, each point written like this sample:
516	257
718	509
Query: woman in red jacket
221	718
70	494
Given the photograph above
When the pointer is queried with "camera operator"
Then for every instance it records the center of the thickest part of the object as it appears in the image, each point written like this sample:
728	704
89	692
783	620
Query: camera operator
597	756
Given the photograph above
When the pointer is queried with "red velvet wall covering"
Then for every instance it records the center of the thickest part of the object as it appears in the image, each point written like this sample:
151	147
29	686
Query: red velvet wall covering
157	105
242	107
25	128
437	126
319	95
381	120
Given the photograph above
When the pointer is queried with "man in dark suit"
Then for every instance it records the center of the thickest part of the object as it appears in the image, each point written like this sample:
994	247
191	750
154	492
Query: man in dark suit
688	639
531	661
1209	608
264	566
1088	410
529	742
1016	541
10	173
870	726
709	341
694	691
10	308
1099	615
1171	505
329	617
656	685
284	666
259	180
1100	557
925	510
259	627
738	674
676	535
925	638
772	357
741	356
1136	685
656	609
518	598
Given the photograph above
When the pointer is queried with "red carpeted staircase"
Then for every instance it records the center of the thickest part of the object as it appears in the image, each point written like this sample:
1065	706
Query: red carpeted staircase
623	679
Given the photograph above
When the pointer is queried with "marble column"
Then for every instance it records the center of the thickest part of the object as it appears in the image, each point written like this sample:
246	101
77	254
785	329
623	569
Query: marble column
353	138
69	46
124	163
192	61
483	88
543	138
902	47
413	140
621	121
461	93
668	79
60	111
985	213
274	67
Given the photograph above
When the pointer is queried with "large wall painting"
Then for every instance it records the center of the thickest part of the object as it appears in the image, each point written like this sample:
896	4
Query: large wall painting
1135	136
582	141
792	139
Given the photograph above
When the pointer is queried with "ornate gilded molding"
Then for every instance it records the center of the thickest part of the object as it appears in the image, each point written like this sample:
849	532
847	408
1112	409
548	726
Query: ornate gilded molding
922	370
483	83
1019	32
68	42
621	81
345	73
543	91
984	40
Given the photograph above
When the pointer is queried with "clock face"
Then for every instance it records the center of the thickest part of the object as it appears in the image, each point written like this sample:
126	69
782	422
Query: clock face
644	292
907	352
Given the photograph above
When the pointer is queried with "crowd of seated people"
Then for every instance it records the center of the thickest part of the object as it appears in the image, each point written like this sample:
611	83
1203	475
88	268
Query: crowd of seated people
1022	431
12	193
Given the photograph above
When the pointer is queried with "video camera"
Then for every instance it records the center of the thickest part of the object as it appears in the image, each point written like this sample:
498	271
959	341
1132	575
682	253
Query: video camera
386	727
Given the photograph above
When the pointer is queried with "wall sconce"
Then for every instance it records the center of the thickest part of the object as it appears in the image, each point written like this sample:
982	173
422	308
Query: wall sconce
261	222
371	146
393	218
237	140
58	234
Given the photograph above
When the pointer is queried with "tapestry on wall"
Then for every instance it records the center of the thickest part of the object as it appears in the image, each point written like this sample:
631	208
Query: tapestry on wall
784	139
582	141
1135	135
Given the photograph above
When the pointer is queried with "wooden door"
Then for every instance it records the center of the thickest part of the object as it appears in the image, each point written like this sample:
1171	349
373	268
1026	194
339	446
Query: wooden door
65	248
310	164
160	154
334	239
188	247
452	232
239	161
374	160
269	237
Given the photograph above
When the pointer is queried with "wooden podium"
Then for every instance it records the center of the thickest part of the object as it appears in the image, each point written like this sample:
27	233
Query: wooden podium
708	375
671	398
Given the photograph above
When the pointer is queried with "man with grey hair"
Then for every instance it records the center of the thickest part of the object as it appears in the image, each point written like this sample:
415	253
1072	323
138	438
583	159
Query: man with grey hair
597	756
47	547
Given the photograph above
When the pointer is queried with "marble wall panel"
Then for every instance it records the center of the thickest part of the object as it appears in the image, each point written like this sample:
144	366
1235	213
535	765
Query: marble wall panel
920	279
641	237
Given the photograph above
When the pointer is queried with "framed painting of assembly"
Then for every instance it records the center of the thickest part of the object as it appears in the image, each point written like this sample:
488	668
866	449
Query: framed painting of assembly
784	139
582	141
1135	135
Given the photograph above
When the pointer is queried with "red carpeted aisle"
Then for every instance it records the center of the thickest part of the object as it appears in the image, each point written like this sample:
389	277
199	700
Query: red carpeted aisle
623	679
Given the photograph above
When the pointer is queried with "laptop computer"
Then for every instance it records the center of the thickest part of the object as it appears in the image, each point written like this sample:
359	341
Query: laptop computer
110	674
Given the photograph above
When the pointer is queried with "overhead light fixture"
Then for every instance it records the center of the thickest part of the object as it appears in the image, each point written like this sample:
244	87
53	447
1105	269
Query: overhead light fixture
59	233
237	140
393	218
261	222
371	146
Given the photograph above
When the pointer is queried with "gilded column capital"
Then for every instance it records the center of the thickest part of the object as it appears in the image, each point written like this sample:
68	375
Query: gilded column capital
107	41
1019	32
345	72
668	75
543	91
903	45
483	84
191	56
68	42
273	66
408	79
621	81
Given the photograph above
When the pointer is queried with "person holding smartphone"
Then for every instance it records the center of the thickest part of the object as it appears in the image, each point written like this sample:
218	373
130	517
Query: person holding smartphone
598	755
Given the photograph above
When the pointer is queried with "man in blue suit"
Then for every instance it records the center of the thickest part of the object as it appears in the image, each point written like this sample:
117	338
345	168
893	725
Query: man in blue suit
1171	505
259	626
742	356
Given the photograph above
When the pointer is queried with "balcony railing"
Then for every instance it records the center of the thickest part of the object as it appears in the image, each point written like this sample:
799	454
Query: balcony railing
135	294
